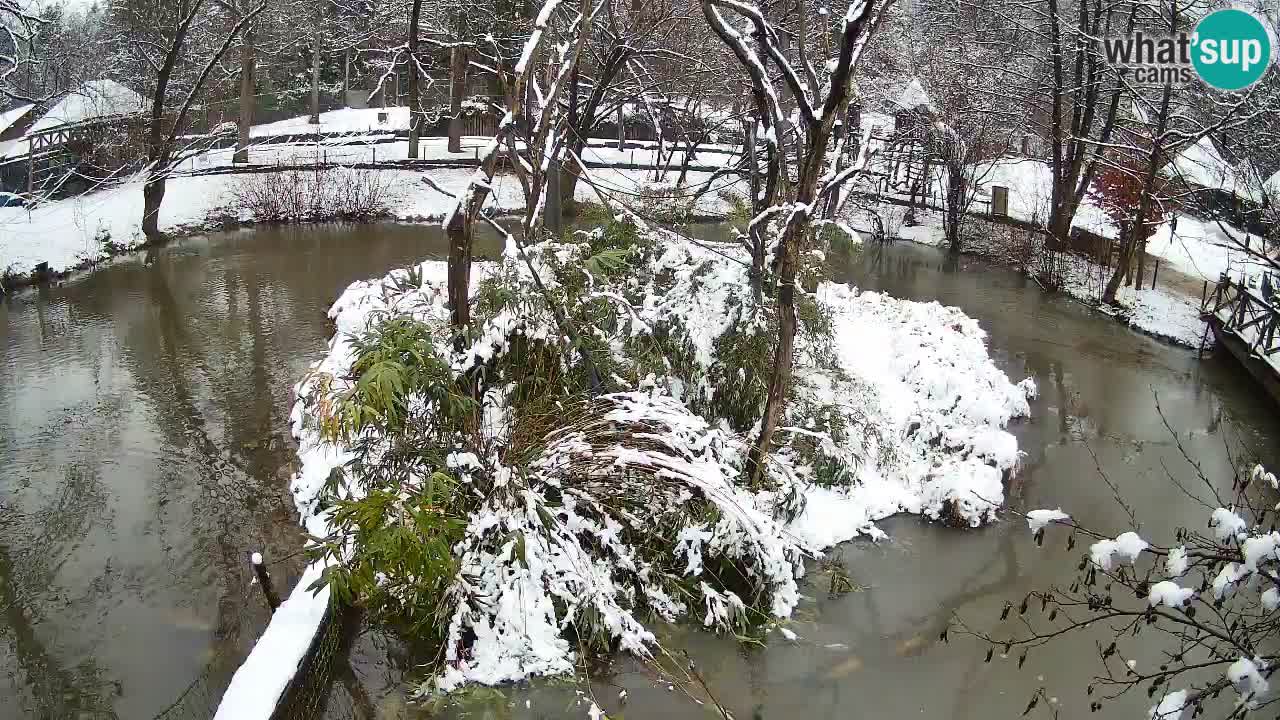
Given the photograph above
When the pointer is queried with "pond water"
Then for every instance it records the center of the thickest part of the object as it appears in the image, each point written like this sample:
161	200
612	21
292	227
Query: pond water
144	451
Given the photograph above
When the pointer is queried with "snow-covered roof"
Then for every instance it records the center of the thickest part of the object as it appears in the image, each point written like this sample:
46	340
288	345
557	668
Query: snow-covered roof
94	100
914	97
1272	185
1201	164
9	117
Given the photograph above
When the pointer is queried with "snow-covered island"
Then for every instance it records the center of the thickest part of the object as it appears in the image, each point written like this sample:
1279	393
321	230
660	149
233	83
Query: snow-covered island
594	514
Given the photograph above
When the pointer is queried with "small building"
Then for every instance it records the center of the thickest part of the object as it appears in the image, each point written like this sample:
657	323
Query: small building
83	136
913	108
96	102
1215	186
14	123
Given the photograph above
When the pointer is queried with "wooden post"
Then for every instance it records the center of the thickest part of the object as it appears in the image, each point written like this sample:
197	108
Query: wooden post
264	579
552	215
1154	272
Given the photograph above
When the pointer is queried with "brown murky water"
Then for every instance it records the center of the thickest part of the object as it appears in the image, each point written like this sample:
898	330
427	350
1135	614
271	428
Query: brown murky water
144	450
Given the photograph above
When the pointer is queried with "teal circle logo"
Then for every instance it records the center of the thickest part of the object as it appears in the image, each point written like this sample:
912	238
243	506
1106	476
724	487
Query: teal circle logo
1232	49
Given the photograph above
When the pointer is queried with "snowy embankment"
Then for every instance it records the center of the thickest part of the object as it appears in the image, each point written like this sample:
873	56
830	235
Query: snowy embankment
75	232
926	409
1165	311
1161	311
1197	248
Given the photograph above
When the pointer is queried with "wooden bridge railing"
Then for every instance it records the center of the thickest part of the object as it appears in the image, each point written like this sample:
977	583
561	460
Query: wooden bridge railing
1246	313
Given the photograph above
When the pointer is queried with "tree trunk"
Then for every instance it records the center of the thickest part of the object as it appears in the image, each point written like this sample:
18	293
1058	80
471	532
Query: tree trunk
1124	258
248	66
1142	263
152	197
569	176
415	117
793	235
315	69
1138	224
756	233
1060	217
784	357
622	130
457	86
459	273
955	210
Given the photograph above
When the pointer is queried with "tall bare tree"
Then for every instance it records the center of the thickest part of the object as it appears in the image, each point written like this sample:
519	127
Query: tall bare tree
793	204
176	46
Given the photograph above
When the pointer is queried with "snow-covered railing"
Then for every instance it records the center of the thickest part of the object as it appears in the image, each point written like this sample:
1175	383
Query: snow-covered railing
272	668
1246	314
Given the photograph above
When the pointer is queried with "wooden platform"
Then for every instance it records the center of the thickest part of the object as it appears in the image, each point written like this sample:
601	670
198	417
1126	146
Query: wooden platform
1249	328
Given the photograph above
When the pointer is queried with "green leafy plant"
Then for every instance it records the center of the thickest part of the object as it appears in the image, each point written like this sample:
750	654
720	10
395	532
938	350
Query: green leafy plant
403	415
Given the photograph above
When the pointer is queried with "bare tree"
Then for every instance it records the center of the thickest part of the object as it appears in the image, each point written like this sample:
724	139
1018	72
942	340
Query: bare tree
177	46
791	206
20	25
415	117
533	148
248	77
1210	600
1165	121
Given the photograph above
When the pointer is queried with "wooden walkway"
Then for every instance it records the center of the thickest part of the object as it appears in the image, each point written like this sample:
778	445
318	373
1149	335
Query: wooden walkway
1248	327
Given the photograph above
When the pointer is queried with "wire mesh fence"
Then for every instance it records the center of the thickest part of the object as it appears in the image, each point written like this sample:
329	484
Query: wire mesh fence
199	700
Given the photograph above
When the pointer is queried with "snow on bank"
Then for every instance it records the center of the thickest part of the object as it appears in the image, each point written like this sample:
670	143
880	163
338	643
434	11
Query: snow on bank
262	678
1198	248
1164	311
919	371
1160	311
71	233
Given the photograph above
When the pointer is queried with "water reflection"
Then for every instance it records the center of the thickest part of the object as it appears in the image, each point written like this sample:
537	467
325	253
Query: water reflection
145	450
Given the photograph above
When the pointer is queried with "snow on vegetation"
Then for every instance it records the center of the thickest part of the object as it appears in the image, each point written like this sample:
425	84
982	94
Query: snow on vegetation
1226	524
1170	706
1038	519
1230	604
1126	547
1168	593
602	498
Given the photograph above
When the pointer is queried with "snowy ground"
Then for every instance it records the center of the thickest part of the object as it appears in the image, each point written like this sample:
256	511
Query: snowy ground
1164	311
1203	250
1196	248
70	233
